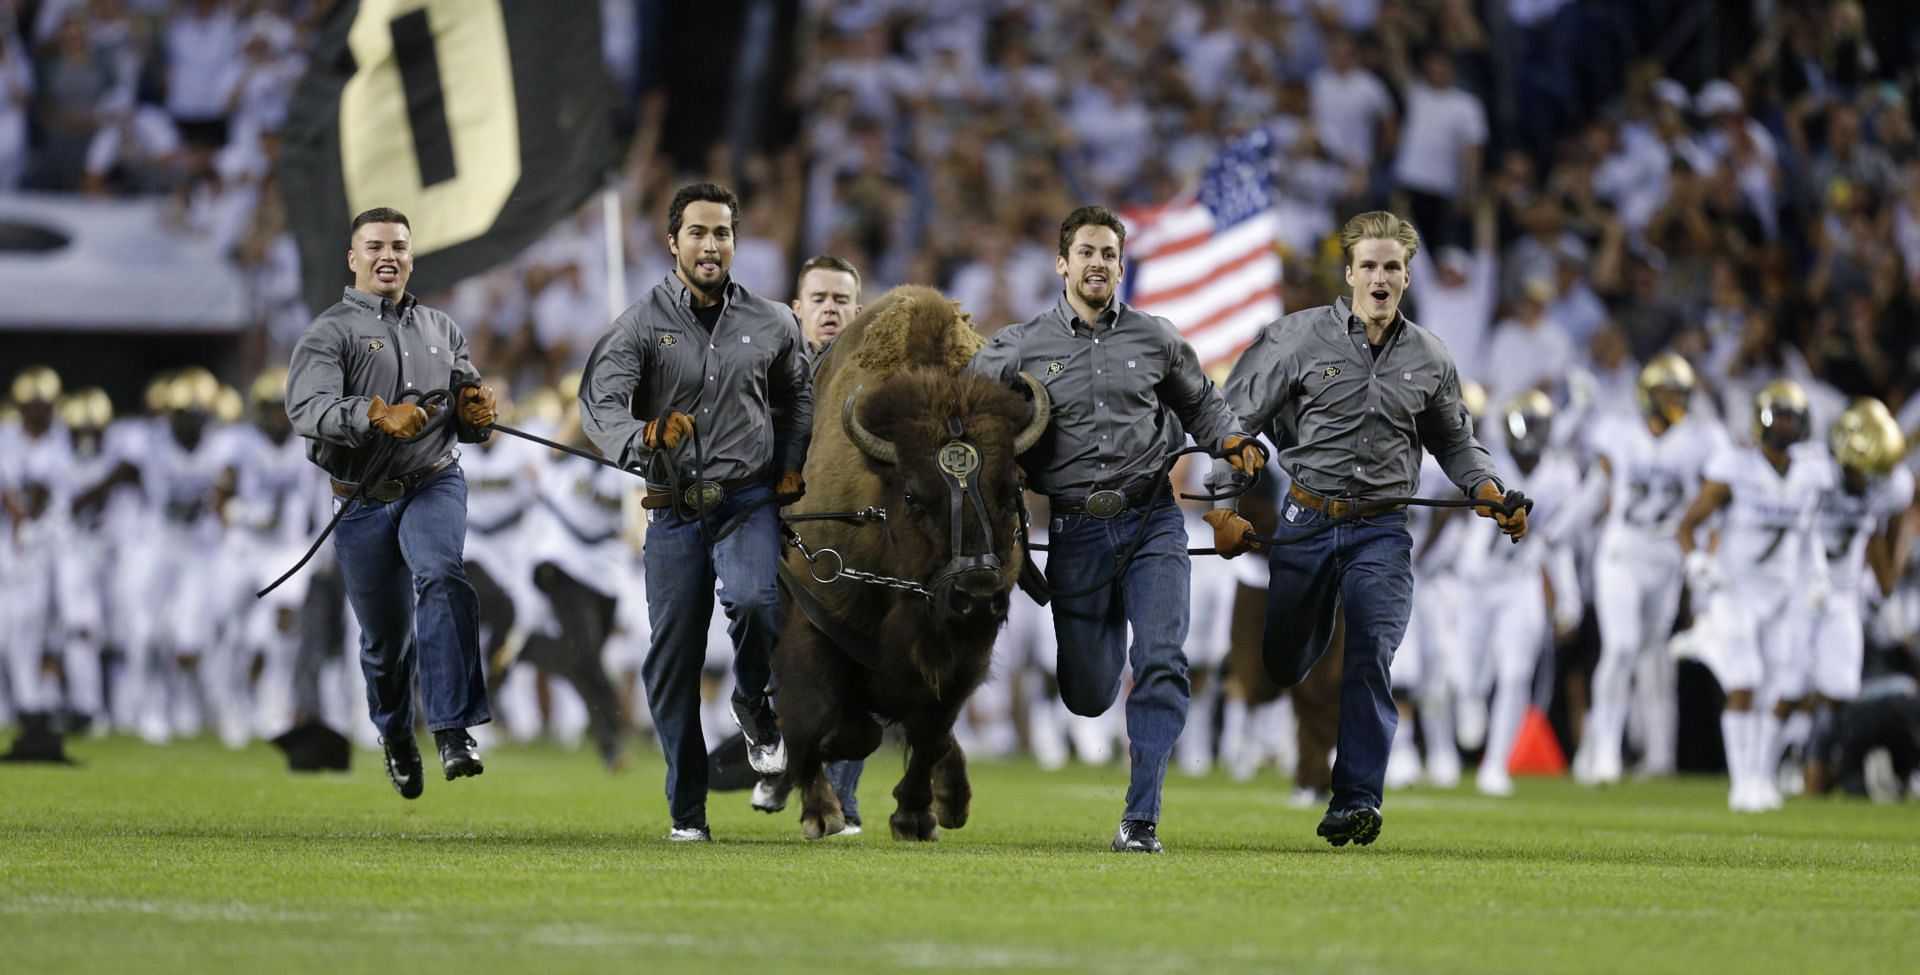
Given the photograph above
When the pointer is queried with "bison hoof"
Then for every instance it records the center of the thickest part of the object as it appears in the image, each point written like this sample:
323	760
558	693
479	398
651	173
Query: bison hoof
916	826
952	813
817	825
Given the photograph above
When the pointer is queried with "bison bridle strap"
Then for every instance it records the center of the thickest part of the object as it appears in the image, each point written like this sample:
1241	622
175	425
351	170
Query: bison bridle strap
959	463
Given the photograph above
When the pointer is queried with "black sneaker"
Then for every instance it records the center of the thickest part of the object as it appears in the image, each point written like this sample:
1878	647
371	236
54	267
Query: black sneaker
403	767
459	756
1361	826
766	750
1135	836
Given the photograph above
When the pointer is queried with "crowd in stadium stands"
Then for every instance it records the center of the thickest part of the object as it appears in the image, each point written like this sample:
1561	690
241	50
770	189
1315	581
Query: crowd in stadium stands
1762	222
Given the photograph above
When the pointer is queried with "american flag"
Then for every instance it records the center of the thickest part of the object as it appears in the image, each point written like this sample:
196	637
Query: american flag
1205	260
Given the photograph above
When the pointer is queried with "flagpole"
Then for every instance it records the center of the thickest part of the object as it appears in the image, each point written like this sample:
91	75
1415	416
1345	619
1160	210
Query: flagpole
616	249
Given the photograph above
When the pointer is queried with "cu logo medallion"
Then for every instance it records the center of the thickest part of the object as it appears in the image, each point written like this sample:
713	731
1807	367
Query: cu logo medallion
959	458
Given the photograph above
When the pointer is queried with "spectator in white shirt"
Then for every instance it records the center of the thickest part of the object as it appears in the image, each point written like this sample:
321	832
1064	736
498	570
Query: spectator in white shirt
1457	293
1529	350
203	65
1353	111
1440	147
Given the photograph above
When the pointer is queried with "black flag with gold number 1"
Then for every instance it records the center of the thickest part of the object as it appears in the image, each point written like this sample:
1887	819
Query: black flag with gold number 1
484	121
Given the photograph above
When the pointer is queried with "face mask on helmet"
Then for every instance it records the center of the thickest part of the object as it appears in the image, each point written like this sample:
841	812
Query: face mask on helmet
1780	415
1529	421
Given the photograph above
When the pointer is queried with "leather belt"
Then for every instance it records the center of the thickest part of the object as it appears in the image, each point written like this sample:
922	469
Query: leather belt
657	498
393	488
1108	503
1331	507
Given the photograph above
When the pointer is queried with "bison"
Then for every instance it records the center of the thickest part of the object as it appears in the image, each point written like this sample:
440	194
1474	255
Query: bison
901	429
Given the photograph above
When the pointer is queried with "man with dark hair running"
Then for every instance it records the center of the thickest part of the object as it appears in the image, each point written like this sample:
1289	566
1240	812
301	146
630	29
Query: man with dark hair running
705	386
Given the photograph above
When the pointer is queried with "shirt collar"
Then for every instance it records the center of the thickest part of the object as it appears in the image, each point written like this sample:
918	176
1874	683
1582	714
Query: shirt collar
683	295
1070	319
1351	323
380	307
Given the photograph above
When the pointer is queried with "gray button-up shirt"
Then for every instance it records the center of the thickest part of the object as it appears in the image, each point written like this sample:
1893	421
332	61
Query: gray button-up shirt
747	384
1353	426
1117	386
362	347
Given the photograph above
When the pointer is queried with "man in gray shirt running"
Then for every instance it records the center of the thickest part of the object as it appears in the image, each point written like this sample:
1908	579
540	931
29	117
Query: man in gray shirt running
703	384
1118	379
400	544
1368	389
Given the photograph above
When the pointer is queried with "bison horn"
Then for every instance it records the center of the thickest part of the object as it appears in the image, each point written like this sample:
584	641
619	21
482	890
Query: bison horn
1042	414
871	444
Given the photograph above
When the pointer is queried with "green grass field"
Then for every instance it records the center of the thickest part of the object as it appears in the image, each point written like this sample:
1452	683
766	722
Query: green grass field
190	858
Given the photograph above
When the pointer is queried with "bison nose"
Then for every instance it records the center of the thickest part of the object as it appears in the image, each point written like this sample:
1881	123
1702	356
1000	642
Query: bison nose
977	595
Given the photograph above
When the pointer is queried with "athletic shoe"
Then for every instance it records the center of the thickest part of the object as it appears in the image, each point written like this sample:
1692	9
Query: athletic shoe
766	750
1493	782
1136	836
1882	780
403	767
853	829
459	756
690	834
1360	826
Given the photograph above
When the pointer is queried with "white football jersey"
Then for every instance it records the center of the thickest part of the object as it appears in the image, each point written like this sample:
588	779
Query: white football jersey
1768	532
179	482
583	499
501	484
1551	485
1654	478
273	483
41	472
1846	521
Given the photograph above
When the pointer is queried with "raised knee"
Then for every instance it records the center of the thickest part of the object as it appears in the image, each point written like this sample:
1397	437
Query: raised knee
1086	704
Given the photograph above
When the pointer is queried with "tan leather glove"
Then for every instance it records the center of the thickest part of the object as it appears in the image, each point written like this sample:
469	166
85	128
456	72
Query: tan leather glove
1230	533
667	431
1245	454
790	482
477	406
400	421
1514	525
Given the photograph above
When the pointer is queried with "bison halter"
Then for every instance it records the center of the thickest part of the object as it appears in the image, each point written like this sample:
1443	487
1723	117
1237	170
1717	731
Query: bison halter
959	460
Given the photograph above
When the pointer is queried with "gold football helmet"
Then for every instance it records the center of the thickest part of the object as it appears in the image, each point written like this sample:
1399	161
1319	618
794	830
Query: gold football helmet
542	406
193	388
1780	414
159	391
1529	421
1666	371
228	407
1474	397
87	409
1867	438
36	384
269	387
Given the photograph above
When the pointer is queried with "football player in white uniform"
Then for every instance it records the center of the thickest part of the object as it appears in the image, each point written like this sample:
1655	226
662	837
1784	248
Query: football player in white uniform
1856	523
95	502
1519	605
270	523
1649	466
1768	578
33	491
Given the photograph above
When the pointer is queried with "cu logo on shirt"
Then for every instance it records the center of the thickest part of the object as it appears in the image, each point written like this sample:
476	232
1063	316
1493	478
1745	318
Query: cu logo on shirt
1053	368
666	341
375	345
1331	372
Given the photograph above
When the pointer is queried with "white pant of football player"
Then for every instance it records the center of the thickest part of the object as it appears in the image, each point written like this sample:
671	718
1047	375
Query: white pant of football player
1209	636
27	623
81	595
1429	670
1637	598
1755	648
1511	629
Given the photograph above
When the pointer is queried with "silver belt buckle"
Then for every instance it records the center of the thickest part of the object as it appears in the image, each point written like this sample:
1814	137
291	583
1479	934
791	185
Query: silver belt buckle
1105	504
704	496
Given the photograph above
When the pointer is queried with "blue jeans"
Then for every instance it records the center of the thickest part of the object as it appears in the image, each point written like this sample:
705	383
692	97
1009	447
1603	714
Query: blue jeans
407	582
1366	568
1091	631
681	569
845	778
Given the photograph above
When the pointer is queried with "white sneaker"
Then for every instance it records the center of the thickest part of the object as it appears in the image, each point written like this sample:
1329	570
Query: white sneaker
1403	768
1883	782
1305	798
853	829
1493	783
690	834
766	795
1443	768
